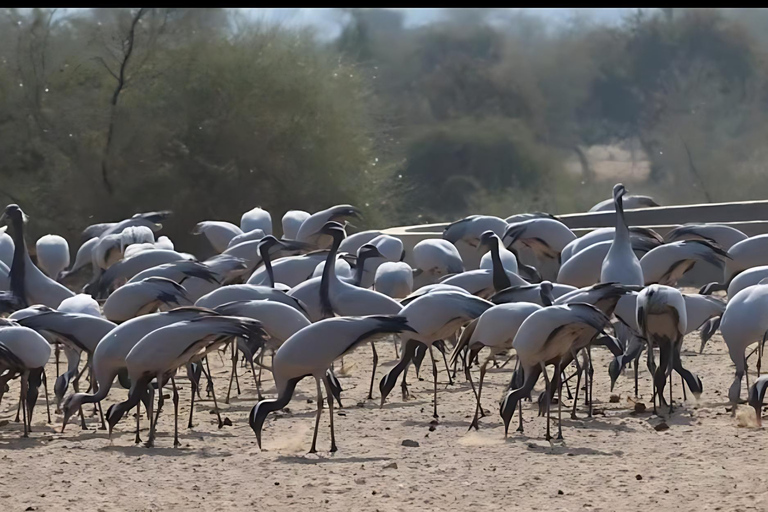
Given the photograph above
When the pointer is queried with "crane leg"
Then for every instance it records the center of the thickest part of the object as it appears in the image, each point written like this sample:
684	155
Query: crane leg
404	386
176	442
153	424
547	382
477	399
213	392
138	423
232	373
193	387
47	403
560	406
373	372
313	448
434	378
591	371
256	381
578	383
22	401
330	410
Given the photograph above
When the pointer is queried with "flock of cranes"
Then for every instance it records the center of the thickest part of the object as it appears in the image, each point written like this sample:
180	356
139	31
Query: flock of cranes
294	306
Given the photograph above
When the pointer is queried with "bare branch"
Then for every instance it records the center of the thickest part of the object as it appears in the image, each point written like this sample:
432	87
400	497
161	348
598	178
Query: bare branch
106	66
128	51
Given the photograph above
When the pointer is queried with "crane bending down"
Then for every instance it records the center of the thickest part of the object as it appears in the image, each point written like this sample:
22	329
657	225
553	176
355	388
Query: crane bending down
311	351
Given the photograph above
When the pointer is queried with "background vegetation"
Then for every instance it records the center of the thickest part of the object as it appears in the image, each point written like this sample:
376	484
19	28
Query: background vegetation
114	111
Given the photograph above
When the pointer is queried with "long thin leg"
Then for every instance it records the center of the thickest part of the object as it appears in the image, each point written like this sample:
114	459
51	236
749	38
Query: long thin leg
434	378
47	403
330	409
682	383
483	369
192	402
215	405
24	385
18	411
394	342
209	378
237	379
153	424
746	374
256	381
258	385
447	369
636	370
76	387
477	400
373	372
92	386
138	422
591	371
404	385
559	406
101	416
564	379
313	449
232	373
670	392
660	375
176	442
578	384
548	391
478	407
56	351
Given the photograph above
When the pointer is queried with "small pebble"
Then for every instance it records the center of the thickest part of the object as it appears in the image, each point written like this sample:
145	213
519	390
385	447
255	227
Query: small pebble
614	399
661	427
410	443
392	465
638	477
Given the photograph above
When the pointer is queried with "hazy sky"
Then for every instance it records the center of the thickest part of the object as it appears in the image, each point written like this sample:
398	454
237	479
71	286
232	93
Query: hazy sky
328	20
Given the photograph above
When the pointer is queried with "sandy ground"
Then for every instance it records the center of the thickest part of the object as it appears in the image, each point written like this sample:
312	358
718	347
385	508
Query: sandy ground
706	460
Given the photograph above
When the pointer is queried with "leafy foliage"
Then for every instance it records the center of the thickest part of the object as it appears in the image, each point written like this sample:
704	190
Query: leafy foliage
209	114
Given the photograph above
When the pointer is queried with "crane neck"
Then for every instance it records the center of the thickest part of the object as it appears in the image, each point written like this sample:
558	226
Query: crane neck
622	231
500	278
20	257
329	274
547	299
360	269
268	265
262	409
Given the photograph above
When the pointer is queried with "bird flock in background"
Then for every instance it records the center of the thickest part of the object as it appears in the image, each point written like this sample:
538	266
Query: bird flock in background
294	306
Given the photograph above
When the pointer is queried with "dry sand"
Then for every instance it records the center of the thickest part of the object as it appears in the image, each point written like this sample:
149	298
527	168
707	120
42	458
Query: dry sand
614	461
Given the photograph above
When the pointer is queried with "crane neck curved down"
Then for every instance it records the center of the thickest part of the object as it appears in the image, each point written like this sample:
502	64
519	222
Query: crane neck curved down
262	409
268	266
